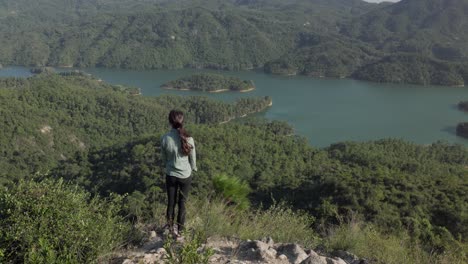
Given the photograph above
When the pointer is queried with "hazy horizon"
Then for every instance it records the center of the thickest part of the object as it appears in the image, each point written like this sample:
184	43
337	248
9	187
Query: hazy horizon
379	1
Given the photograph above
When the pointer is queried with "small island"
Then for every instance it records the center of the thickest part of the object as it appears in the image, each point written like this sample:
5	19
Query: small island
210	82
40	70
463	105
462	128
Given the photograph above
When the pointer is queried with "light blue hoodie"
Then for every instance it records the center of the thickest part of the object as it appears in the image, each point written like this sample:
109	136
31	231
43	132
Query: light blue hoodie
177	164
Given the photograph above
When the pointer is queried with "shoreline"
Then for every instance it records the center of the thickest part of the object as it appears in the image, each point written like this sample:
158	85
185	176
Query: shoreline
213	91
247	90
246	114
350	77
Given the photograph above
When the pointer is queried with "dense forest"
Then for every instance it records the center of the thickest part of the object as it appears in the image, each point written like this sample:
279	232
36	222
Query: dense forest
210	83
376	42
48	118
106	140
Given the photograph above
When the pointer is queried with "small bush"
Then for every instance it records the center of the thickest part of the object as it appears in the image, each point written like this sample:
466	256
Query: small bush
52	222
190	252
215	218
366	241
233	190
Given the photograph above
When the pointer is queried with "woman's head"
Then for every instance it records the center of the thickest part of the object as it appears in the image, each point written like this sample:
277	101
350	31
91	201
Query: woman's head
176	118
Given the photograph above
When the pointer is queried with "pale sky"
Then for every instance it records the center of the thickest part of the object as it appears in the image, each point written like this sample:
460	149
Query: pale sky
378	1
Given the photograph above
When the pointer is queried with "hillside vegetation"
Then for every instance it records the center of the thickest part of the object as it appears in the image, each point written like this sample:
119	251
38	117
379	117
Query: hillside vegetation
376	42
51	118
106	141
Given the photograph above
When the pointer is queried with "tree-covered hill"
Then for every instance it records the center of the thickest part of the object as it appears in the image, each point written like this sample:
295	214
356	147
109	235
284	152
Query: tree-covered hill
48	118
431	34
393	184
319	38
323	55
106	139
416	69
438	28
156	34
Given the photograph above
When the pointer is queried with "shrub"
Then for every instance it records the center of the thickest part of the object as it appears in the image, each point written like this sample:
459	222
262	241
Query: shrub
190	252
366	241
53	222
233	190
215	218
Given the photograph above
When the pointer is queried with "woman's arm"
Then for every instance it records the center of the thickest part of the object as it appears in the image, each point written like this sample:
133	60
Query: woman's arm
163	151
193	155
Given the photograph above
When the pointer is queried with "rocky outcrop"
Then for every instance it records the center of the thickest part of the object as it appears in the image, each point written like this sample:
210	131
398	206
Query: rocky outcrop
229	250
462	130
463	105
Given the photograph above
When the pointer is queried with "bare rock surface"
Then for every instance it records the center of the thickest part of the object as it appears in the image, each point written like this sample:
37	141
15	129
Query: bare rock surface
232	250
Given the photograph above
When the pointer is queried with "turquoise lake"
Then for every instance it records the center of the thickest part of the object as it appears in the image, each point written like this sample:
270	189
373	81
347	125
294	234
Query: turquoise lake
325	111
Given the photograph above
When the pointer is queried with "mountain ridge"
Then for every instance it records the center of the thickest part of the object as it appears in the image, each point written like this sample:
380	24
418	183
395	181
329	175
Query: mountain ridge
341	39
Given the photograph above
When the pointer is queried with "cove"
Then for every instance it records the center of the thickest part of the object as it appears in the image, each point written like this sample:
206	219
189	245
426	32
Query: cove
325	111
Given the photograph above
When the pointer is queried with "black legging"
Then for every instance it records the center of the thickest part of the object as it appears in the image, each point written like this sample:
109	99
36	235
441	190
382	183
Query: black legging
176	185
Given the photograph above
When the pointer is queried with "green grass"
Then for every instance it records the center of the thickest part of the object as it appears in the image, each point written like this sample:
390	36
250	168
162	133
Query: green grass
366	241
284	225
215	218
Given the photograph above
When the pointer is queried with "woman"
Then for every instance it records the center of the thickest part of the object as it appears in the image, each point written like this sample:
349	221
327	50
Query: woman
178	155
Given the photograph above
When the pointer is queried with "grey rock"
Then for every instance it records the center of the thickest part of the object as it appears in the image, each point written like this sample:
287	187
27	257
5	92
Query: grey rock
315	259
269	241
272	251
268	254
217	258
335	261
256	251
127	261
251	254
255	244
362	261
150	258
161	251
153	234
294	252
345	255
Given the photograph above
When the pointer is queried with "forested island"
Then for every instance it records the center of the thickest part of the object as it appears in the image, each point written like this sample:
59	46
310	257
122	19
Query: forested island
462	128
376	42
213	83
41	70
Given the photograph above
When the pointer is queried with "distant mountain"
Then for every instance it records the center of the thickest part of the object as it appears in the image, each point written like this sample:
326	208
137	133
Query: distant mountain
432	27
423	42
324	38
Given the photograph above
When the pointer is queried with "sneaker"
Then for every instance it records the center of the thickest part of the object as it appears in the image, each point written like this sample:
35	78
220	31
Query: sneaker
167	230
174	232
180	238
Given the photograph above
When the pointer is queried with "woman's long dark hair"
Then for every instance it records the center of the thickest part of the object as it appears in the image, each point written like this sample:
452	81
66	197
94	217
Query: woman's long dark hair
176	118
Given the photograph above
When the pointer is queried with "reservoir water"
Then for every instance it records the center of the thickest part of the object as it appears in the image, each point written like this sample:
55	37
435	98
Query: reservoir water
325	111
